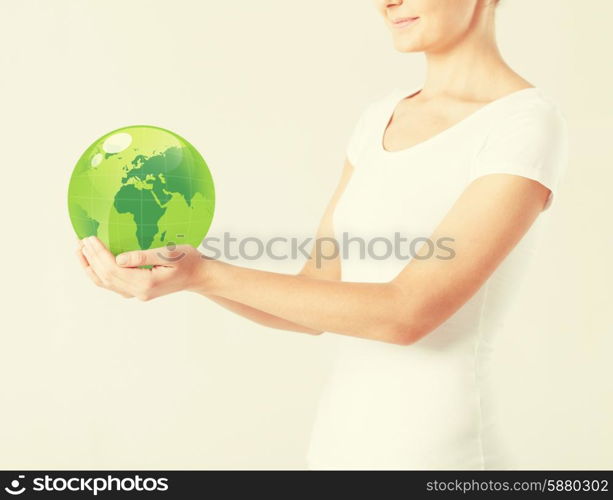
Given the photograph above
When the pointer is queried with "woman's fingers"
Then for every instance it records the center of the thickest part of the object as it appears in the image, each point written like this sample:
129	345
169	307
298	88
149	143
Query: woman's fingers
93	259
81	257
129	281
98	282
85	264
123	276
98	251
88	270
101	260
93	277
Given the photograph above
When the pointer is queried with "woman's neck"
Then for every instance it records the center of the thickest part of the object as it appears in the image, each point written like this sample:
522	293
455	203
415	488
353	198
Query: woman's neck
471	69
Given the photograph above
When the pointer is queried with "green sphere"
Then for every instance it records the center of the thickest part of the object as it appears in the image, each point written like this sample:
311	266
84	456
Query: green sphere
141	187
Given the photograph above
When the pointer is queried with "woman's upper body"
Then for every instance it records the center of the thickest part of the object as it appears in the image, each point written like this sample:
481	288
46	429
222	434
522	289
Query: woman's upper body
465	77
431	405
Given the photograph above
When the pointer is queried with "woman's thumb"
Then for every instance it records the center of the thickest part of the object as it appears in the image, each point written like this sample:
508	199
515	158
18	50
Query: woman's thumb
164	256
138	258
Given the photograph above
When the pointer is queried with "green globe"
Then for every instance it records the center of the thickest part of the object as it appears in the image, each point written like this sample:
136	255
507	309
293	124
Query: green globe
141	187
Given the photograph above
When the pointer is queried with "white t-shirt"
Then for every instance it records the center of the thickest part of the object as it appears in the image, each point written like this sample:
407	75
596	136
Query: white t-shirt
429	405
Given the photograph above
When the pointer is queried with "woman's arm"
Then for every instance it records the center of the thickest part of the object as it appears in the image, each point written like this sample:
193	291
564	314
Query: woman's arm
248	312
260	317
328	268
485	223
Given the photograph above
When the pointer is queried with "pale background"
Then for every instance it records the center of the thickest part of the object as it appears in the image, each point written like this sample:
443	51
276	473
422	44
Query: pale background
268	91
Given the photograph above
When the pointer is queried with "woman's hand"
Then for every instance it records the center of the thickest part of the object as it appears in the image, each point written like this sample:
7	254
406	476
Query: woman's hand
175	268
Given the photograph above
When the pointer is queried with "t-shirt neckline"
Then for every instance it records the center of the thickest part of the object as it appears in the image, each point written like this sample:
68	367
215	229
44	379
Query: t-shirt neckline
402	93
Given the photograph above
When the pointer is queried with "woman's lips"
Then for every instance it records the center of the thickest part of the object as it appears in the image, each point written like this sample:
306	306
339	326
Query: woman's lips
403	22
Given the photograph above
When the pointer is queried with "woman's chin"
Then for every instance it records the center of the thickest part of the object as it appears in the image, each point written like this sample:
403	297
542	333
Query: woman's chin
407	46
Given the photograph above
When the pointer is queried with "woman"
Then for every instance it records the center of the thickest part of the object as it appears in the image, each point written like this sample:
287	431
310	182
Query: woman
468	160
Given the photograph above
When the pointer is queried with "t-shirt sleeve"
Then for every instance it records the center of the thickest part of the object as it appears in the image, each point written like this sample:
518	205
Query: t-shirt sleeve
356	140
532	143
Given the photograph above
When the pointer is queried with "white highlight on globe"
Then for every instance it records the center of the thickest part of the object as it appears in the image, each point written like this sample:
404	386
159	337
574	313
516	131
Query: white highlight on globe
96	160
117	142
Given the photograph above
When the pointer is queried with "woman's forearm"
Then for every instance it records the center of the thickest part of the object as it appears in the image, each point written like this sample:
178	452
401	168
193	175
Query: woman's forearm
366	310
261	317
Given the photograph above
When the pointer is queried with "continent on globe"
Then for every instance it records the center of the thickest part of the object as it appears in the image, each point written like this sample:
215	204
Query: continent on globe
141	187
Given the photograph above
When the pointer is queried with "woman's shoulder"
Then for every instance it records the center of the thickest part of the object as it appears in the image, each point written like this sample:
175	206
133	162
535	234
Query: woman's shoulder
526	116
382	98
379	103
533	102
